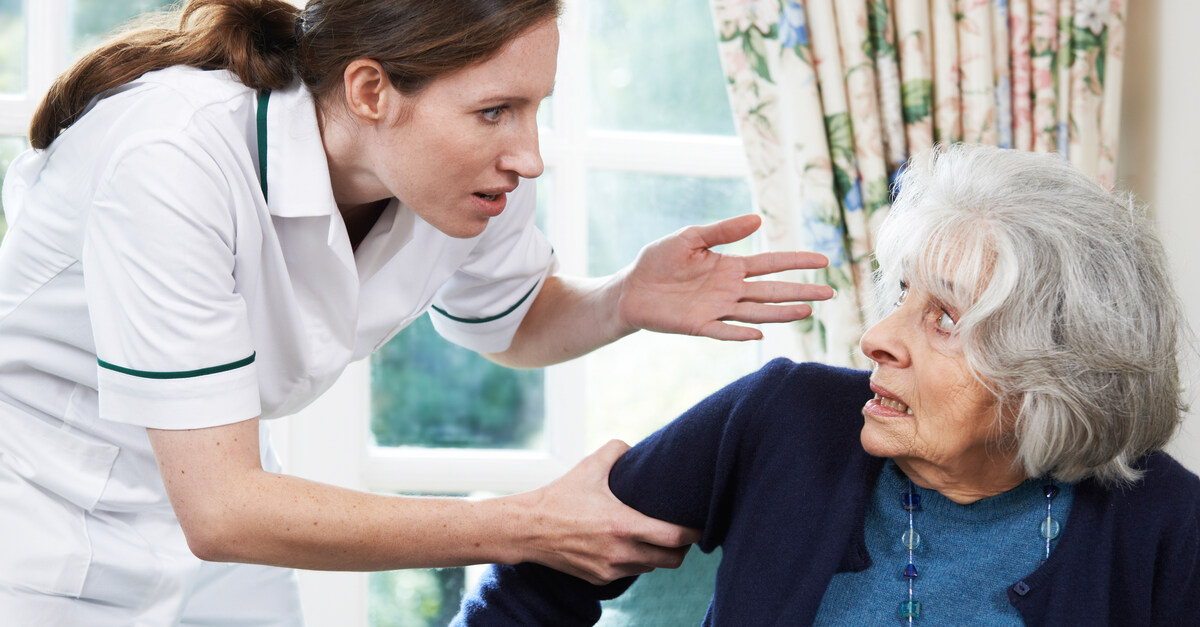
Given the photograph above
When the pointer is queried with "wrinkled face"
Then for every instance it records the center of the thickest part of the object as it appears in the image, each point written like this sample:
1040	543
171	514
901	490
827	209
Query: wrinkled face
470	135
928	408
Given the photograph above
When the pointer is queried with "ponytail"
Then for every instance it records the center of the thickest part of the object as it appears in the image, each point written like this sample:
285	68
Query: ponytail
254	39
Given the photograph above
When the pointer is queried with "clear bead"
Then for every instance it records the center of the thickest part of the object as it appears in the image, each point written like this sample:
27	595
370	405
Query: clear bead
1049	528
910	609
910	539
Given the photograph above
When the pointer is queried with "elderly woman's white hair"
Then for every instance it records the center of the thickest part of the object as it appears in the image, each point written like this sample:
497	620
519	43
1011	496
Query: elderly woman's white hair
1067	311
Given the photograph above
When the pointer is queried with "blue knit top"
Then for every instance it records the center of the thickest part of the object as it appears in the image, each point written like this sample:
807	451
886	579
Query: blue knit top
968	556
771	470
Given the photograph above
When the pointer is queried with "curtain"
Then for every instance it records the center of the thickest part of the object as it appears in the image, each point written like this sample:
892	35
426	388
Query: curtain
831	97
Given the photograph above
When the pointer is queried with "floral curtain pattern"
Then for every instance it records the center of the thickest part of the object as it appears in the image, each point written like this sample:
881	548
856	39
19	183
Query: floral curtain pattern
831	97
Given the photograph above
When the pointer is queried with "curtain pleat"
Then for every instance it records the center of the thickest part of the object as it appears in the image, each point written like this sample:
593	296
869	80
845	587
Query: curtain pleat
1044	50
947	116
1003	77
831	97
887	81
1022	74
1110	109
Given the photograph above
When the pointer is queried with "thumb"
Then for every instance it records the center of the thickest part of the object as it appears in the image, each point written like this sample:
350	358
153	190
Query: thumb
607	455
728	230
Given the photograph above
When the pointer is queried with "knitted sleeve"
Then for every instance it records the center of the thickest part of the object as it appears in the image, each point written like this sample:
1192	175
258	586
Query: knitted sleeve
679	474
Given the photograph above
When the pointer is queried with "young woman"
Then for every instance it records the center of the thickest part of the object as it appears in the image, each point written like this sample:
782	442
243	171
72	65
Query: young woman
217	216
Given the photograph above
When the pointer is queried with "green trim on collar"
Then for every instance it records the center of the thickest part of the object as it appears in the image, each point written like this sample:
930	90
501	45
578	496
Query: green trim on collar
263	97
183	374
489	318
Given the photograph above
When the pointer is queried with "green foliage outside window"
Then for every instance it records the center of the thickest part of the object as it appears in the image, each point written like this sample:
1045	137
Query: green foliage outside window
92	21
428	392
415	598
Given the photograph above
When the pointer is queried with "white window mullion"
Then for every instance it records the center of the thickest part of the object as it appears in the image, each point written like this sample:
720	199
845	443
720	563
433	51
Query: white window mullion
327	442
564	384
663	153
46	43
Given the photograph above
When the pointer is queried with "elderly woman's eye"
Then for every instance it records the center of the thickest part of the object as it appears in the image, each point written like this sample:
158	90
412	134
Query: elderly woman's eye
903	294
945	322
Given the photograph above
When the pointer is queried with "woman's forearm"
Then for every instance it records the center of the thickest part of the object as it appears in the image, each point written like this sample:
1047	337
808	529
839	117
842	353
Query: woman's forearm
570	317
287	521
230	509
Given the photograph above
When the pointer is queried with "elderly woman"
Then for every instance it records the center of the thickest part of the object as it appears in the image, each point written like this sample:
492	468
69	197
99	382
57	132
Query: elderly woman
1001	463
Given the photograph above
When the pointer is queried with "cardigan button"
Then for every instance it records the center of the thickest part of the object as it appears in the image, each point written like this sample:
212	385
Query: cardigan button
1021	588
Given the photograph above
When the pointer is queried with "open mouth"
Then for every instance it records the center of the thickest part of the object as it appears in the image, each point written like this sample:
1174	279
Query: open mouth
488	197
892	403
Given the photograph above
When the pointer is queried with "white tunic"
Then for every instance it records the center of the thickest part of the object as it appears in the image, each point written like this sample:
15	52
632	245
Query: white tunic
150	279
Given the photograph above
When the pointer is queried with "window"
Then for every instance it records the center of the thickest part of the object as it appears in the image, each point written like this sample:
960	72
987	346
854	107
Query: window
38	39
638	141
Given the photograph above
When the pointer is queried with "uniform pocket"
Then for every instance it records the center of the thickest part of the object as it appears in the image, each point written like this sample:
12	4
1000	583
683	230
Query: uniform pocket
67	464
44	544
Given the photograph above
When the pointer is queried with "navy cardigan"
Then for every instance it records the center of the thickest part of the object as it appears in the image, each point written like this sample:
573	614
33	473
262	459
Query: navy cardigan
771	469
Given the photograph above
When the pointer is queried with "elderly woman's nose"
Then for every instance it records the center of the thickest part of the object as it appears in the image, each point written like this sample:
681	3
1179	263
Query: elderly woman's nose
883	345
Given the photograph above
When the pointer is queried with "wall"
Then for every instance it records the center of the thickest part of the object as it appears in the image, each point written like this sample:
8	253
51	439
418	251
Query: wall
1160	144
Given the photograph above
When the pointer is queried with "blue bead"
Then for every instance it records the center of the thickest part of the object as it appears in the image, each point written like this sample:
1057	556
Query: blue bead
910	571
910	609
1051	490
911	500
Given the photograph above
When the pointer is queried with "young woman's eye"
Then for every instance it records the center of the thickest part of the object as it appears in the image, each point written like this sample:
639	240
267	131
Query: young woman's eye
946	323
493	114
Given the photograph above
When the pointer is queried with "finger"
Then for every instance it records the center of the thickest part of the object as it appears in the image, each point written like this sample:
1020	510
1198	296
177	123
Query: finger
756	313
769	263
729	332
660	533
651	556
784	292
726	231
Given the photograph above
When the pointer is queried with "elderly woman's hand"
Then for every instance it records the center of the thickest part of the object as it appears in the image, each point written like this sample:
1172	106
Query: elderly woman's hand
679	285
577	526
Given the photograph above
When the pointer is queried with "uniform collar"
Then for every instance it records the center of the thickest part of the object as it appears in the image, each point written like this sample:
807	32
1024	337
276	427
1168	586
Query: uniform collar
297	172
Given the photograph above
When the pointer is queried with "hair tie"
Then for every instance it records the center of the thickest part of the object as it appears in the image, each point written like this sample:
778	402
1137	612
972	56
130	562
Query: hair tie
300	25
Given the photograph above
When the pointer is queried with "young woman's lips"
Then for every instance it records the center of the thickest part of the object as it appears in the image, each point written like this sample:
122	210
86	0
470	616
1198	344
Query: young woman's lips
491	205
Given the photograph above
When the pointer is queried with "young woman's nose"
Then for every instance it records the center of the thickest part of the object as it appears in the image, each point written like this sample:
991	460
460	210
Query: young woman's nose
524	156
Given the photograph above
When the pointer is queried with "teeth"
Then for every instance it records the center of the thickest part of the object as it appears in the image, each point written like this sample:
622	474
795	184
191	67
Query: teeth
488	196
892	403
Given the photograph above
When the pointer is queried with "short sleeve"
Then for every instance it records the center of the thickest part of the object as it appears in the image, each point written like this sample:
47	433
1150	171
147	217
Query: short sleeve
173	342
483	303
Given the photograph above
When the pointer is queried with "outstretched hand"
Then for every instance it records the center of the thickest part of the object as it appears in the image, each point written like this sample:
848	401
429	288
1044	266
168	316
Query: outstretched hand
679	285
583	530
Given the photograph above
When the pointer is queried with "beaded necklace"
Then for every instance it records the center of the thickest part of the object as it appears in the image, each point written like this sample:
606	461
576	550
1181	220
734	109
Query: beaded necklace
910	608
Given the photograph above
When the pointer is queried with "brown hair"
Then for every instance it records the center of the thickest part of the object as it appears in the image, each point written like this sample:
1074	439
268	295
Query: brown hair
269	43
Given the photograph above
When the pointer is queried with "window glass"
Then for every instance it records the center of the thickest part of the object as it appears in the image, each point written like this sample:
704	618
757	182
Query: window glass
640	383
428	392
93	20
654	67
10	147
12	47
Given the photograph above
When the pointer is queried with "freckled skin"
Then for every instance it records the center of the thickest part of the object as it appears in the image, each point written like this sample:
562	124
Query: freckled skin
955	441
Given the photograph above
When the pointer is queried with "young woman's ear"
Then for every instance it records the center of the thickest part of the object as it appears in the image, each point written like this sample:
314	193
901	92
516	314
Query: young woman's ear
369	94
